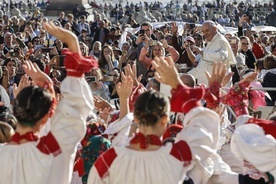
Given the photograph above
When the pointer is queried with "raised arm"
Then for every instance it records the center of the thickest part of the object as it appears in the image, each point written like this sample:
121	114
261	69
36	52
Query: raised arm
143	58
68	123
124	90
183	97
174	53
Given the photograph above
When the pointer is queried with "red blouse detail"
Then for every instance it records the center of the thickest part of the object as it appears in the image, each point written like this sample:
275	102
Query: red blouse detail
145	141
185	98
104	162
29	136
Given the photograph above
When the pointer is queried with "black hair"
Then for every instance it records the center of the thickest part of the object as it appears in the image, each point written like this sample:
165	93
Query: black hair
41	65
31	104
7	116
273	46
150	107
36	37
146	24
8	60
270	62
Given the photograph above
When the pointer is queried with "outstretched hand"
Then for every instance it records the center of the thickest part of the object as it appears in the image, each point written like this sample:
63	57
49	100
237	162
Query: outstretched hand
35	73
24	82
218	74
174	28
166	72
130	70
124	88
101	104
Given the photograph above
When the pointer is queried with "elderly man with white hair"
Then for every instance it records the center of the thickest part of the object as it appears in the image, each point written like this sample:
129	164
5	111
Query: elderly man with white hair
217	49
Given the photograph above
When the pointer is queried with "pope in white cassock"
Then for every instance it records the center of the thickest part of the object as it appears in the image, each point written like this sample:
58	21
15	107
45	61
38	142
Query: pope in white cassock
217	49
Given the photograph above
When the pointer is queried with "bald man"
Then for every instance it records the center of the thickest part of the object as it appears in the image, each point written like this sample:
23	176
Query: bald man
217	49
188	80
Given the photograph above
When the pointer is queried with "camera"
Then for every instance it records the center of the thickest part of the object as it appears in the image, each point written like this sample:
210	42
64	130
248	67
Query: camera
14	52
46	50
90	79
233	41
142	32
60	60
192	26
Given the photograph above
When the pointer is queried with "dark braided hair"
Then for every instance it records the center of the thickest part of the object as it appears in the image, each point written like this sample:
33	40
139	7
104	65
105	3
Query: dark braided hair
150	107
32	104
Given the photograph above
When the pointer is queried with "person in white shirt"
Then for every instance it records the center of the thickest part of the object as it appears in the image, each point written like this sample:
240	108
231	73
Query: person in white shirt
145	159
29	158
217	50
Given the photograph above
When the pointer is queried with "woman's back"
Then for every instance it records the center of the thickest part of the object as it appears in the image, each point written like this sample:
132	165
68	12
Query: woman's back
123	165
24	164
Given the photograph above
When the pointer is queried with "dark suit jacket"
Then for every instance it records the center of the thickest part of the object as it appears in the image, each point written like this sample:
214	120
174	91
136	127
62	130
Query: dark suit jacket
183	58
94	26
97	35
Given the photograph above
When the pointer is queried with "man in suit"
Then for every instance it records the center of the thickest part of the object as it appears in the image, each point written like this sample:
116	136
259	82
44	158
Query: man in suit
61	19
95	24
73	24
101	33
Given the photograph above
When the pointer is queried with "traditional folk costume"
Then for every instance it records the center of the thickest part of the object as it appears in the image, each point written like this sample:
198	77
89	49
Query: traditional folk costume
252	140
254	143
49	159
170	163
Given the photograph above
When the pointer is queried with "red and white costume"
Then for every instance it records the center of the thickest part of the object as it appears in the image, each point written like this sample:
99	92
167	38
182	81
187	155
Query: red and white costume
255	144
170	163
118	130
49	159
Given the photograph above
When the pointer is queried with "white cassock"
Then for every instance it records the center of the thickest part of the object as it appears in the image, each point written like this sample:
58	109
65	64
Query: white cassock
217	50
27	164
125	166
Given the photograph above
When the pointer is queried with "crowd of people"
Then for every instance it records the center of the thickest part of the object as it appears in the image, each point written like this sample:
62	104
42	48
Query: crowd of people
96	102
226	14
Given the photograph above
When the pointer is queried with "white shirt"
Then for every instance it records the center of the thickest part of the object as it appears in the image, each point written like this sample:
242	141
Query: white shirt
125	166
27	164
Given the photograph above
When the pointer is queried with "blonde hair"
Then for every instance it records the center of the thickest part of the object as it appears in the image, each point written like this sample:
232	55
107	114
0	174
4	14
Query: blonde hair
157	44
6	132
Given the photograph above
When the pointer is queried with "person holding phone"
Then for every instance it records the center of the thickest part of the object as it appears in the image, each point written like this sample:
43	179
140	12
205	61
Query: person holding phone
246	22
143	37
157	49
97	86
186	54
